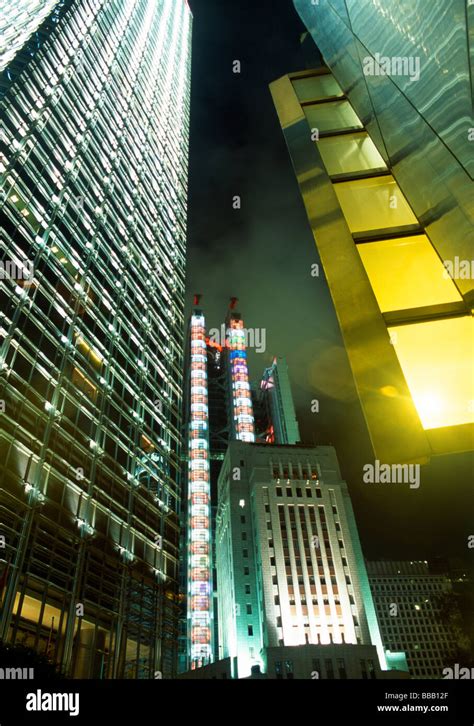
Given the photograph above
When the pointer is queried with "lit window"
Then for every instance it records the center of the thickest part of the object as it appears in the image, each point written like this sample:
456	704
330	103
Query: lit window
374	203
436	358
406	273
316	88
332	116
349	153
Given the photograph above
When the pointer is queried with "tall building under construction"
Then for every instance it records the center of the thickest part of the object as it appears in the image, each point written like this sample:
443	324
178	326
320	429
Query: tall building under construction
218	409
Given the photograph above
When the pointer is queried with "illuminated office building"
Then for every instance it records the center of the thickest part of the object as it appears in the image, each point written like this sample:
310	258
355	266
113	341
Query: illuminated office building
94	173
417	613
290	566
19	21
386	179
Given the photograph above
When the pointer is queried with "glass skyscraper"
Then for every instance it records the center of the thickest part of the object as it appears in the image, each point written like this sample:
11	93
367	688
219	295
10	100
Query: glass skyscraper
95	102
19	19
381	141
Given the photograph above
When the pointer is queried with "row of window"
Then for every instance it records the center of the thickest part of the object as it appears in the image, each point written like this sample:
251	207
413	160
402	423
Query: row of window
294	471
406	272
400	586
299	493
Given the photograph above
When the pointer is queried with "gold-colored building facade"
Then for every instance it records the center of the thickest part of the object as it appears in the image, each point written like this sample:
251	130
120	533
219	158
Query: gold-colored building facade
404	311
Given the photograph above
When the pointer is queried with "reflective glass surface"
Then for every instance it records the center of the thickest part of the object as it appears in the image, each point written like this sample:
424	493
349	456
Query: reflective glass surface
94	191
375	203
332	116
419	113
407	273
350	153
316	87
436	358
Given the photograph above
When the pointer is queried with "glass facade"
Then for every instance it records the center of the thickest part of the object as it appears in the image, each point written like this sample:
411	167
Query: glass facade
408	307
350	153
335	116
19	21
437	33
425	363
392	266
365	204
407	70
94	183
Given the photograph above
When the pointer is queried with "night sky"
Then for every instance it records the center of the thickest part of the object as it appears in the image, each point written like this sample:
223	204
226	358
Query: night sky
263	255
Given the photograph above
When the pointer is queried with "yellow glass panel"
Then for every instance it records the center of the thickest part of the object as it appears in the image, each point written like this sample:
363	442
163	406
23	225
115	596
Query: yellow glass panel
407	273
349	153
31	610
437	359
316	88
332	116
375	203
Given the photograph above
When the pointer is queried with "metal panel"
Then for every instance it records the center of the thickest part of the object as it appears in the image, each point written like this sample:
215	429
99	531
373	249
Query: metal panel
394	426
421	127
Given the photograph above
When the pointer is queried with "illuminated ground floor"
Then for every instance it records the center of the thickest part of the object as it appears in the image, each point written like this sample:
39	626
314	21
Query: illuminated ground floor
310	662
